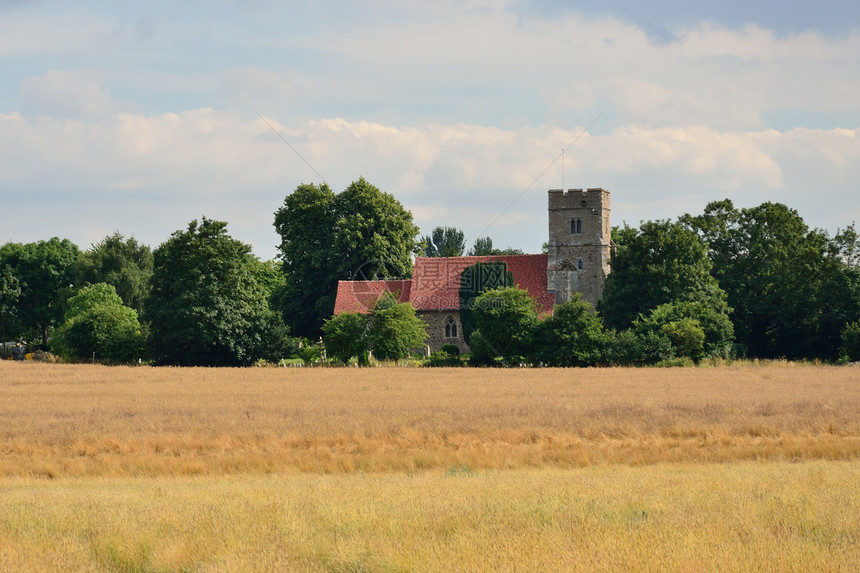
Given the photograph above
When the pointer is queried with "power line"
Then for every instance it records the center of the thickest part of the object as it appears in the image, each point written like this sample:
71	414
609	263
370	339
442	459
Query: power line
290	146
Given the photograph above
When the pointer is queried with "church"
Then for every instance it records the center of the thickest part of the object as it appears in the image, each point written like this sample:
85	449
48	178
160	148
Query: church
576	261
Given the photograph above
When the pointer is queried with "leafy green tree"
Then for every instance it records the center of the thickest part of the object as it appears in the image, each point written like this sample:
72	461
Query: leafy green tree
572	336
10	290
346	335
98	325
206	307
360	233
717	328
394	328
508	319
444	242
44	271
474	280
792	289
687	336
659	263
850	349
123	263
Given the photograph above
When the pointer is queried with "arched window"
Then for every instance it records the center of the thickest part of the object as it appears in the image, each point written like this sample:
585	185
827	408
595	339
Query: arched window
576	226
579	264
451	328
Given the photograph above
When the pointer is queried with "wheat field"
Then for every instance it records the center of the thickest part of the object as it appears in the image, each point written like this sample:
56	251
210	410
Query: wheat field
73	420
738	468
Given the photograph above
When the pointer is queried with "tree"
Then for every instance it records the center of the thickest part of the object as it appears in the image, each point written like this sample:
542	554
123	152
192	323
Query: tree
346	335
714	322
792	289
572	336
474	280
206	307
10	291
483	247
123	263
444	242
394	329
361	233
661	262
98	325
507	319
44	271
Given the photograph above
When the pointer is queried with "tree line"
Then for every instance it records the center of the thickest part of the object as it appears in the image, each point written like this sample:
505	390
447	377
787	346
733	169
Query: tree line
754	282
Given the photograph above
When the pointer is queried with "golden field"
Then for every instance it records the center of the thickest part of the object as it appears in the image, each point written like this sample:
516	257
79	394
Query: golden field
73	420
738	468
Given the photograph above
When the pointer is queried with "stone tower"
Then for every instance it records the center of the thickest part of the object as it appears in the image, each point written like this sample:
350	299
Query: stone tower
579	243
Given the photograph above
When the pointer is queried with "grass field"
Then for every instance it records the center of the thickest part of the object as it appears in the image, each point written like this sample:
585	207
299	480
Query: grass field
393	469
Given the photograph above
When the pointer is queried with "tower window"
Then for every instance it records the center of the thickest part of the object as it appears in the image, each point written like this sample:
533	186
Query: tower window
451	328
579	264
576	226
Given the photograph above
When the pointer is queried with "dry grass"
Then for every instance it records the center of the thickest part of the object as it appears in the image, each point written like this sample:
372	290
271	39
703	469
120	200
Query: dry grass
74	420
741	517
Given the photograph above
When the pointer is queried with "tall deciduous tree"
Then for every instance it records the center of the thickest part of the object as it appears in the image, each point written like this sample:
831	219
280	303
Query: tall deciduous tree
206	306
10	290
659	263
123	263
44	271
360	233
444	242
792	289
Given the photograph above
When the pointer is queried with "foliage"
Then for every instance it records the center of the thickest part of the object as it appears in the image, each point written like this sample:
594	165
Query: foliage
346	335
451	349
482	354
715	324
443	358
688	338
626	348
98	325
474	280
309	352
792	289
44	271
507	318
206	306
661	262
850	349
444	242
123	263
394	328
572	336
483	247
361	233
10	291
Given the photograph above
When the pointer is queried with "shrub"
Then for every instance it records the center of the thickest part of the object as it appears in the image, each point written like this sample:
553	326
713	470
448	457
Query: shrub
451	349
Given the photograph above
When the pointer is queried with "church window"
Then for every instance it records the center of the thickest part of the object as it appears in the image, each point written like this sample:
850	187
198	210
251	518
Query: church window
451	328
576	226
579	264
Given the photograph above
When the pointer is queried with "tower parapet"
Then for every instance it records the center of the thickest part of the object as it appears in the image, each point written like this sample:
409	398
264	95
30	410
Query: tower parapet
580	243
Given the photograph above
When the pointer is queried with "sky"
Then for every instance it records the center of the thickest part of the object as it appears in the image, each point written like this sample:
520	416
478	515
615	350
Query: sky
139	117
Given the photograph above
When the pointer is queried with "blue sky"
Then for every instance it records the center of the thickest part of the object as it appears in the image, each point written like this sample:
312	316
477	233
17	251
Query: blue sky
139	117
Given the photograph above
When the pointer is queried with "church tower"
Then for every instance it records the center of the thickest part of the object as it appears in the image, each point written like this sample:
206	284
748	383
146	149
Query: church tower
579	243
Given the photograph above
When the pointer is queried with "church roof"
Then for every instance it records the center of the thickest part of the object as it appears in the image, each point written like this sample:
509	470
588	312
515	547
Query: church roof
435	283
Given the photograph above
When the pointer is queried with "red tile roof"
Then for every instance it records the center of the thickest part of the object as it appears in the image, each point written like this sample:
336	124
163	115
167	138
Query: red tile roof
435	283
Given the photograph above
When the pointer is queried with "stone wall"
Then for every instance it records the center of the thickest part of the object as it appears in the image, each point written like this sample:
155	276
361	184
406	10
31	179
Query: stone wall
436	322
